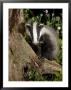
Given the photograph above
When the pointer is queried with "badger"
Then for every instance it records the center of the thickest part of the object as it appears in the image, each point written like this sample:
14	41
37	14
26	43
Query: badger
43	39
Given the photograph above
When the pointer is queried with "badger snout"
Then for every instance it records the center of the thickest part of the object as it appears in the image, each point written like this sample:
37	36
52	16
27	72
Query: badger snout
38	42
35	42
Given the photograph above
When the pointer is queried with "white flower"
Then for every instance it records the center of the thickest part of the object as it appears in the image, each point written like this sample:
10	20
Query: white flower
52	14
41	15
46	11
59	28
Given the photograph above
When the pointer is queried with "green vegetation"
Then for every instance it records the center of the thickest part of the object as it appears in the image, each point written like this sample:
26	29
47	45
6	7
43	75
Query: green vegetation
34	75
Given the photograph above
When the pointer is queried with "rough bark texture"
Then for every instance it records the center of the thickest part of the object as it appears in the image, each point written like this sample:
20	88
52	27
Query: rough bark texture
21	56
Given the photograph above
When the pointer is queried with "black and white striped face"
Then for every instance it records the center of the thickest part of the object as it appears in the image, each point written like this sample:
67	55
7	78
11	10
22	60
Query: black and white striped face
43	39
34	30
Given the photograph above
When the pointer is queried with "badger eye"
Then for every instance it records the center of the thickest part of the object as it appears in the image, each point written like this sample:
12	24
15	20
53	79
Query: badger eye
41	25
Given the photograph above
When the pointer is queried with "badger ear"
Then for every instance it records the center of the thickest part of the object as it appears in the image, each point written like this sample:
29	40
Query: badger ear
28	29
27	25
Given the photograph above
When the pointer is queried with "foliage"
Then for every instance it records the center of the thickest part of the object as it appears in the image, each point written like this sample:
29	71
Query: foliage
53	77
34	75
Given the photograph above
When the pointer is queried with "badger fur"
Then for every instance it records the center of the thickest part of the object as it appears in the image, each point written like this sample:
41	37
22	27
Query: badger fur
42	39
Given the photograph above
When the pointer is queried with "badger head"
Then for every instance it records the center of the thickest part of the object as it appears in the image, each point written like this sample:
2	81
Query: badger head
35	31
